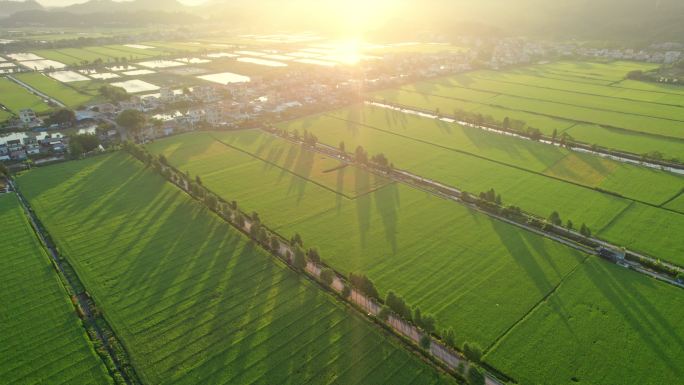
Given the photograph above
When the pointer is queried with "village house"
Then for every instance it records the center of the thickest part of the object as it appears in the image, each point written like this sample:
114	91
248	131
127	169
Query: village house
18	155
104	108
28	117
14	145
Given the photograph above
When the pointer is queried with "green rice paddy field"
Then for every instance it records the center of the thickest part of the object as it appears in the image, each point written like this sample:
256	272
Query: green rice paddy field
70	94
42	340
589	101
383	232
191	298
537	177
107	53
16	98
603	325
486	279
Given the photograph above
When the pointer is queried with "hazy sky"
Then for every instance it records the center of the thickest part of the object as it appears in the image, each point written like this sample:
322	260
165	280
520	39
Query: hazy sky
60	3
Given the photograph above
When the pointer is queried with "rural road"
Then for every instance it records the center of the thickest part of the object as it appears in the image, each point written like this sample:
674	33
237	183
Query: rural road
413	111
414	180
35	91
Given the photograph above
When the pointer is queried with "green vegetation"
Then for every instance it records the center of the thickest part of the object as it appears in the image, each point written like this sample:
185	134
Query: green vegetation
104	54
559	96
604	324
67	94
191	298
16	98
538	178
475	274
41	337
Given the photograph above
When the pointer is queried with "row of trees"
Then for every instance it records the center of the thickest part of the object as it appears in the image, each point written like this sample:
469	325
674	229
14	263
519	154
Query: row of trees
301	256
492	202
361	156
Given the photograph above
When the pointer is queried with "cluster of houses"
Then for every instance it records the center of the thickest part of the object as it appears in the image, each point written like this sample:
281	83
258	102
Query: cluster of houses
650	56
397	68
21	148
231	104
513	51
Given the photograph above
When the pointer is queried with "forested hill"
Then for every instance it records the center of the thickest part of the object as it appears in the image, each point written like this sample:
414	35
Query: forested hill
605	20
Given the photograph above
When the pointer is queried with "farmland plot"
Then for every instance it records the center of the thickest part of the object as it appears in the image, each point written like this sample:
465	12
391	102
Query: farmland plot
603	325
42	340
191	298
538	189
595	107
626	180
566	97
473	273
65	94
15	98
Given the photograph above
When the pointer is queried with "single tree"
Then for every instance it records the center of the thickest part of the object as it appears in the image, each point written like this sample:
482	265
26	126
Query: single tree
425	342
211	201
76	149
296	240
449	337
417	317
475	376
472	351
384	313
62	117
275	243
313	256
299	261
132	120
360	155
327	276
364	285
584	230
428	323
240	220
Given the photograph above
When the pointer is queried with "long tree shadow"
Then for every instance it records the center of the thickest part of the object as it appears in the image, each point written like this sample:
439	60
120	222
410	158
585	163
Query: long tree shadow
387	202
518	249
637	311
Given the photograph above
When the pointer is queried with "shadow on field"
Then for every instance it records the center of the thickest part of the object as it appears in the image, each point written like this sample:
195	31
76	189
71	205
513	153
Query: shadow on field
484	140
363	209
8	203
622	290
191	145
518	247
354	114
426	87
387	203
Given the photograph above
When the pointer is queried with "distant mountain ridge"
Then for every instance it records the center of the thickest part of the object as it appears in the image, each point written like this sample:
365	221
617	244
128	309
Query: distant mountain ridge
641	21
9	7
101	6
